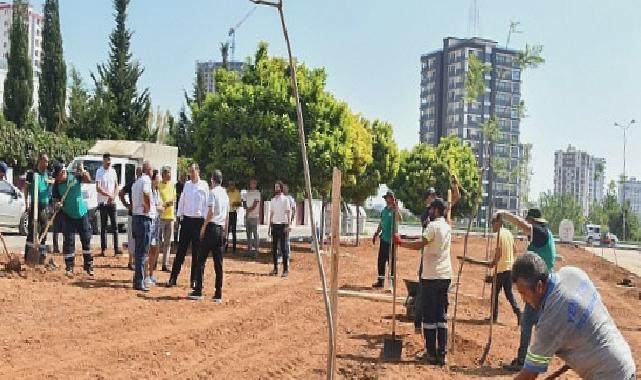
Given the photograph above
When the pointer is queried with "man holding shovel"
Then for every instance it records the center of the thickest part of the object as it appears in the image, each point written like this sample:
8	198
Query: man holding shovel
384	230
37	181
435	280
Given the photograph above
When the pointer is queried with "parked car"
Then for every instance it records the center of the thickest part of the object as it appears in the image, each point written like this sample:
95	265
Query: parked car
609	239
12	208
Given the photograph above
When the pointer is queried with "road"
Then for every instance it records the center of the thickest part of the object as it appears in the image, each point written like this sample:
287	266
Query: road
628	259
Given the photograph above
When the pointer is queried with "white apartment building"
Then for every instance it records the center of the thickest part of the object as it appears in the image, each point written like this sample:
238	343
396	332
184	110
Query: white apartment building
36	22
579	174
632	194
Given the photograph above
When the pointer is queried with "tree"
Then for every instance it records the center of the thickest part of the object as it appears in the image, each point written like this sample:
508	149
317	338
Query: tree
200	92
181	134
426	166
382	170
52	93
78	108
251	122
130	110
556	207
18	86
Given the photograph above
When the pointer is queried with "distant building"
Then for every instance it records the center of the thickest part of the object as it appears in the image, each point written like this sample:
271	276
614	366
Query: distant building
632	189
209	67
579	174
444	112
36	22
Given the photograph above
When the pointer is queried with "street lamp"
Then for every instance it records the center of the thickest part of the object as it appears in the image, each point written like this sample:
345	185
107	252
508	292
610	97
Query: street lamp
623	208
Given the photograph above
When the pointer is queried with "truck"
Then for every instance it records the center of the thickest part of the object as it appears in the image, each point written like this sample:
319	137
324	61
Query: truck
592	233
125	157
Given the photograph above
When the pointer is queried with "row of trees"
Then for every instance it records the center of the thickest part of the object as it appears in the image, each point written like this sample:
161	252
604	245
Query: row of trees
607	212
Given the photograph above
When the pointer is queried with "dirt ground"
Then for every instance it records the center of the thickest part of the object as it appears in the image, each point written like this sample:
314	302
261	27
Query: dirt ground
59	328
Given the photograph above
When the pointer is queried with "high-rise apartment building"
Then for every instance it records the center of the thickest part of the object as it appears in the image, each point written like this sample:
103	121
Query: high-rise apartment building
209	67
444	112
36	22
579	174
632	190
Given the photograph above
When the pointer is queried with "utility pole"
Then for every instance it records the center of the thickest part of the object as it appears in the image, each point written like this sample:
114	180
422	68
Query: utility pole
624	179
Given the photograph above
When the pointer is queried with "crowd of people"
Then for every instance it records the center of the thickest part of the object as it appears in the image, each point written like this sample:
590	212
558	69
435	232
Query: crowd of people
570	318
198	215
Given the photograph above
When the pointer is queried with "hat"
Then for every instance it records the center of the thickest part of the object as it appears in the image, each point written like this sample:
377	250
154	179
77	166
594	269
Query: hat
57	168
430	191
389	193
535	214
439	203
3	167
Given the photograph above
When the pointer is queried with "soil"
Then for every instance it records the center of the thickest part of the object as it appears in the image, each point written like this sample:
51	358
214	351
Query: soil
267	327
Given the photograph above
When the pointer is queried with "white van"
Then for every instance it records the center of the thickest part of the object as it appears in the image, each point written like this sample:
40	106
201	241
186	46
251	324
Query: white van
592	233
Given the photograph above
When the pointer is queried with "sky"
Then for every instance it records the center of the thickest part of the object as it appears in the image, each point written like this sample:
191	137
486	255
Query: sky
371	51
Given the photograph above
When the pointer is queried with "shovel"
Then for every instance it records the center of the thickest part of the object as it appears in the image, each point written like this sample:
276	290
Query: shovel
392	347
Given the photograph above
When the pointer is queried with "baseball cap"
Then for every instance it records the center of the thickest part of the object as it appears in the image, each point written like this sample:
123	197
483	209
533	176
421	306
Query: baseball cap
57	168
430	191
389	193
535	214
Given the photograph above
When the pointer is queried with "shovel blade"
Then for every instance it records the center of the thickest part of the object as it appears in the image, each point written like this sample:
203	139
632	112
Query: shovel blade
392	349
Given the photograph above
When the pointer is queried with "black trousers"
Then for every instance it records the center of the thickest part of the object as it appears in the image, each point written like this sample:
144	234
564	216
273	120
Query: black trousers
233	221
58	222
383	258
189	235
435	303
504	281
43	216
279	239
72	226
212	242
108	211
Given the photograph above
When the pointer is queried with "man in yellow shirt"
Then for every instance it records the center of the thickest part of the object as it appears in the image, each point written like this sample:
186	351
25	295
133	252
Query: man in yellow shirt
235	202
503	260
167	192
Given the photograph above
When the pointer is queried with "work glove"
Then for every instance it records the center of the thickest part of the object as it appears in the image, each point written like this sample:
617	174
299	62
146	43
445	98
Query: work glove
397	239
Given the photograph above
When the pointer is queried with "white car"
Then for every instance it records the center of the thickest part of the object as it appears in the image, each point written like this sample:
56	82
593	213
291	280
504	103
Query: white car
12	208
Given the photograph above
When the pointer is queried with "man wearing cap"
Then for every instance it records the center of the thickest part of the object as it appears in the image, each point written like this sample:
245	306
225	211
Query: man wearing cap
541	243
75	216
42	188
574	324
384	230
107	189
436	278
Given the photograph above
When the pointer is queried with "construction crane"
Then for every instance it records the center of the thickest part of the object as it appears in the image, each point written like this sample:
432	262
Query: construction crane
232	32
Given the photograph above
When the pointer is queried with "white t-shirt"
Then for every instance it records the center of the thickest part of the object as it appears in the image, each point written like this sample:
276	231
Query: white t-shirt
107	179
436	254
193	200
140	187
292	206
250	197
154	201
219	202
281	209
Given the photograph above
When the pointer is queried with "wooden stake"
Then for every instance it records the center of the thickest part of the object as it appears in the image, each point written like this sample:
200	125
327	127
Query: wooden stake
336	213
486	351
32	255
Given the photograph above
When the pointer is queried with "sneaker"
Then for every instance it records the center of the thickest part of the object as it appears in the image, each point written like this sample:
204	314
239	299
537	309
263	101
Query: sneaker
149	282
218	299
141	288
153	279
89	270
515	366
274	272
378	284
69	272
285	274
195	295
426	357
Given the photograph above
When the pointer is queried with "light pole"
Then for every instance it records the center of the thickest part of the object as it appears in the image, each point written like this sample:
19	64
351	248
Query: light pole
623	208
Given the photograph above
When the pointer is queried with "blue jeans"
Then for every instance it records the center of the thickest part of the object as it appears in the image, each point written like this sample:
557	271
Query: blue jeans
529	318
142	236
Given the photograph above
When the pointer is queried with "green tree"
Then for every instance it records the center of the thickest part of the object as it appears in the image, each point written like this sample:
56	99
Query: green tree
200	92
181	134
382	170
130	110
424	166
18	86
556	207
78	108
251	122
52	93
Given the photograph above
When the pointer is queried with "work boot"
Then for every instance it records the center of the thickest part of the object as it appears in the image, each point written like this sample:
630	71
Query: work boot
426	357
89	269
378	284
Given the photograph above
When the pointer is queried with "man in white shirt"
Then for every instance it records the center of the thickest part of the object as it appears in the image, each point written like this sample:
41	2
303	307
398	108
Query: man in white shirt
141	208
107	189
192	209
436	278
279	218
252	204
213	234
292	215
